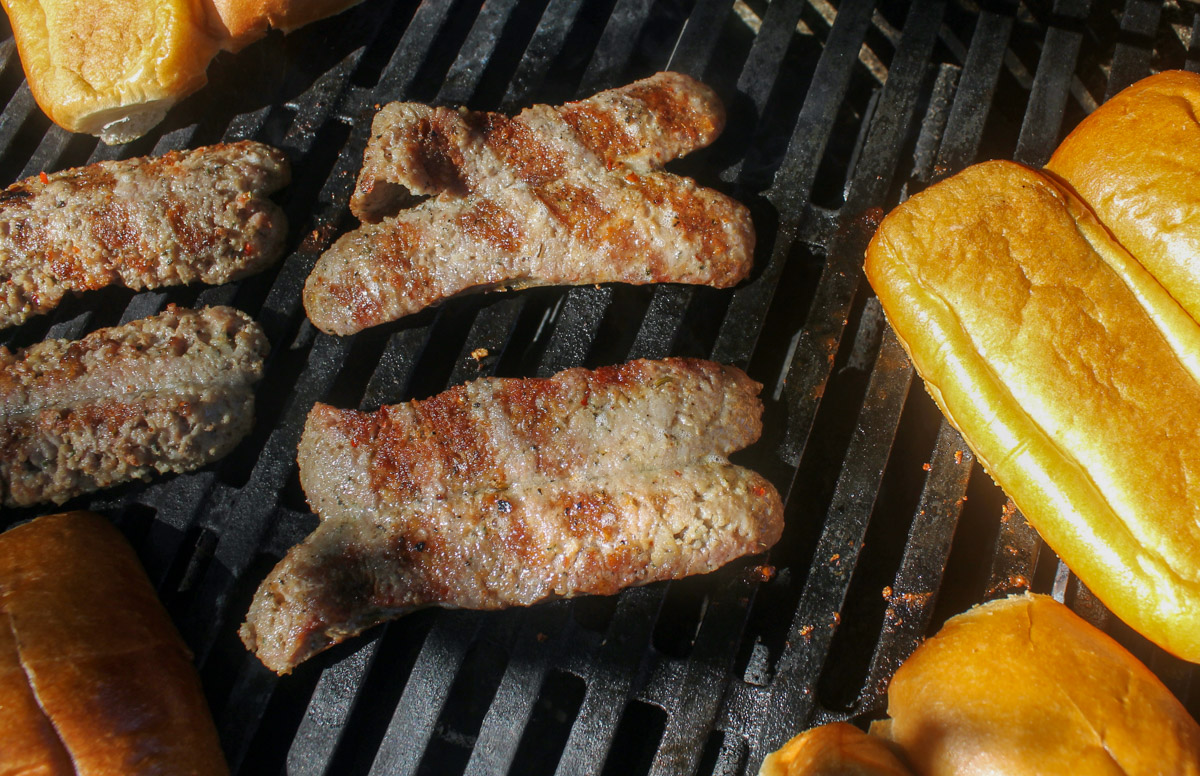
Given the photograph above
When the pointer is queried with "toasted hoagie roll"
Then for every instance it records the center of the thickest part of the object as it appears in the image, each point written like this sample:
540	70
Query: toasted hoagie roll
834	749
113	68
1136	162
94	678
1069	370
1023	686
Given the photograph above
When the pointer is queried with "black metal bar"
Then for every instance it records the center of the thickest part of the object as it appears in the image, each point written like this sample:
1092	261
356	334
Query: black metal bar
616	45
476	52
546	44
1051	89
913	594
976	86
425	693
1131	60
694	48
790	697
609	688
1015	556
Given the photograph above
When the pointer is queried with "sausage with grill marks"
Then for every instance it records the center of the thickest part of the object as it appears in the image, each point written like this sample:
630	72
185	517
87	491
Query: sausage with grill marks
568	195
509	492
184	217
168	393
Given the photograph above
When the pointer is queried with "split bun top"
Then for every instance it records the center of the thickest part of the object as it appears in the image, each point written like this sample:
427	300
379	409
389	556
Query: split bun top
113	68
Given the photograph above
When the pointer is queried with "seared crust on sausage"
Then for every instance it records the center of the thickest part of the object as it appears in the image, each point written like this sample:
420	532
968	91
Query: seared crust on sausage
489	434
512	547
419	150
555	195
507	492
164	394
184	217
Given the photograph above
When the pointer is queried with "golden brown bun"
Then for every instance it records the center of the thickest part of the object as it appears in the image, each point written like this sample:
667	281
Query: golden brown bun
111	68
245	21
1021	686
1071	373
836	749
1136	162
85	635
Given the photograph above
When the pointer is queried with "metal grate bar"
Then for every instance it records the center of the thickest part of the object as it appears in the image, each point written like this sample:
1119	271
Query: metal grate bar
791	700
615	46
1048	99
1015	556
1131	61
546	44
20	109
1192	63
818	342
320	732
910	605
425	693
748	307
608	690
794	180
976	86
476	52
696	43
662	321
767	52
892	120
48	152
706	675
542	635
575	321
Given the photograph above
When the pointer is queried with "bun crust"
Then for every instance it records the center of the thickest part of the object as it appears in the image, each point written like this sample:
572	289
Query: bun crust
1024	686
245	21
1136	162
111	68
1071	373
86	640
835	749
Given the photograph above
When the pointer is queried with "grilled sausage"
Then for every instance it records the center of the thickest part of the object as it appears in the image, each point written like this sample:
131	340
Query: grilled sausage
568	195
190	216
168	393
508	492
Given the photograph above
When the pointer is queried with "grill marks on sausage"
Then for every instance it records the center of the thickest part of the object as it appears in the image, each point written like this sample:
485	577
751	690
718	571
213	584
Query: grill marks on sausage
200	215
552	196
488	223
676	115
506	492
166	393
693	216
442	431
437	156
535	162
600	131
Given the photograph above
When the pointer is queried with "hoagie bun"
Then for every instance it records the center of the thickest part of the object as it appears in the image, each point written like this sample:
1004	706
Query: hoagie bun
113	68
1069	370
1023	686
1136	162
94	679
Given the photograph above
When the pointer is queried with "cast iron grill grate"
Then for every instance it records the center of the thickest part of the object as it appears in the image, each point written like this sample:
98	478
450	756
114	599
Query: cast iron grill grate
838	110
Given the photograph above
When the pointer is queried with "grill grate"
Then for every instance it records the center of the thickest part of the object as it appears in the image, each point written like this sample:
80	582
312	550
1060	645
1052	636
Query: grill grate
838	110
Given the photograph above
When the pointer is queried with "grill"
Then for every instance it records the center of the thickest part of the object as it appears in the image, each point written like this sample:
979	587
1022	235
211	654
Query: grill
838	110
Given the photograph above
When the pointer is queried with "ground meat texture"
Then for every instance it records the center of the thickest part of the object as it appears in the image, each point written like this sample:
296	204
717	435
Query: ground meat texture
192	216
556	195
509	492
164	394
491	433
